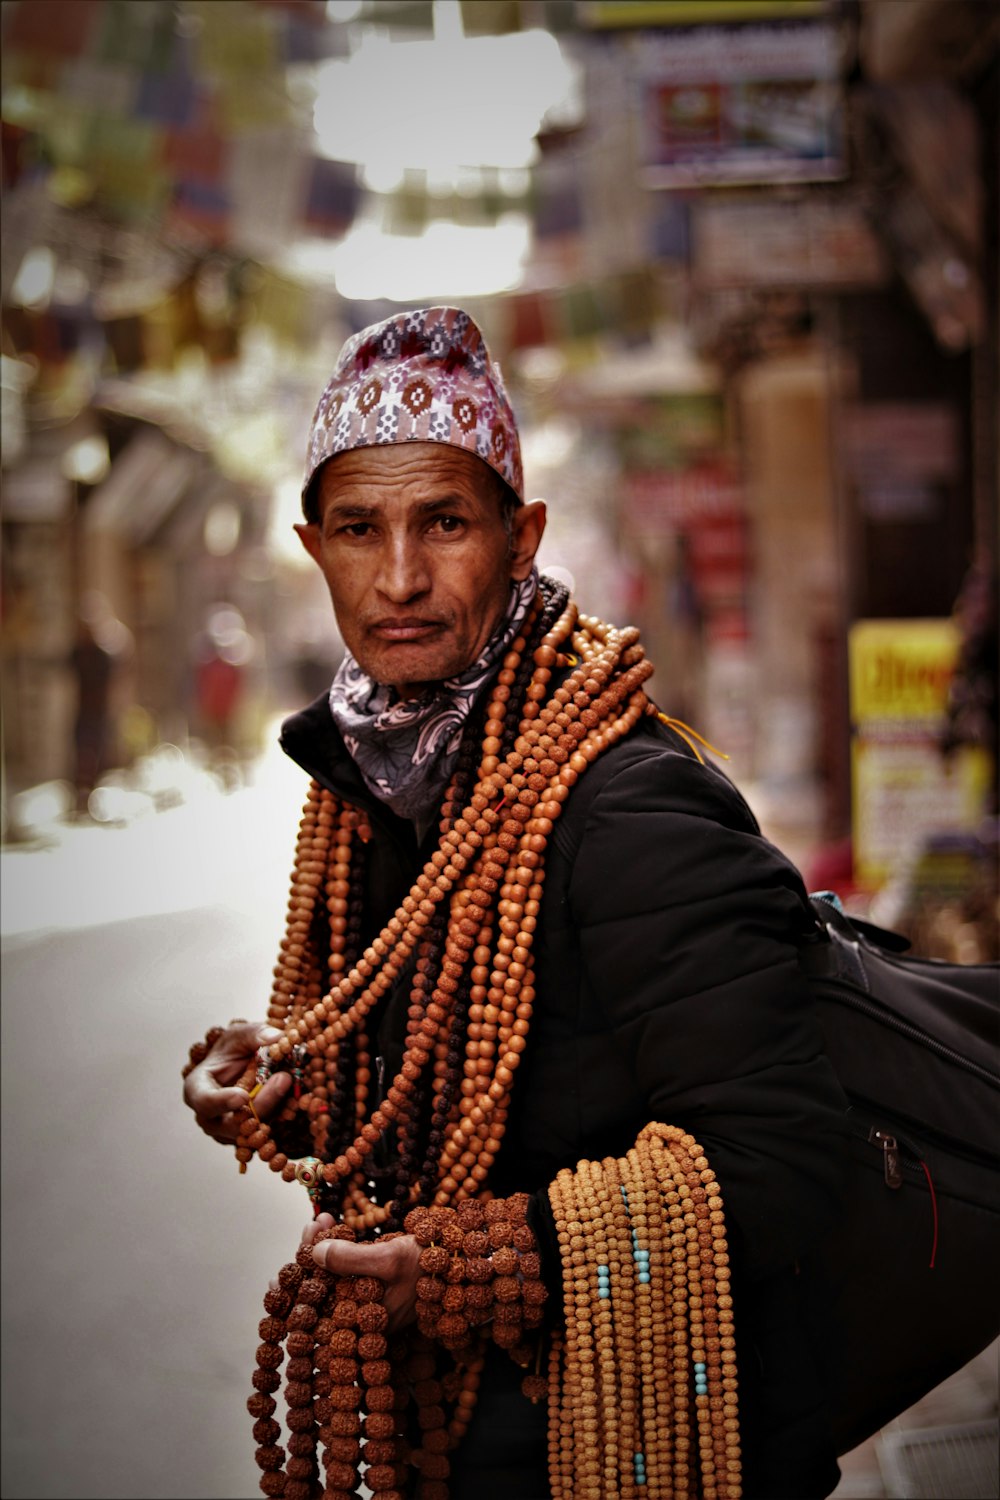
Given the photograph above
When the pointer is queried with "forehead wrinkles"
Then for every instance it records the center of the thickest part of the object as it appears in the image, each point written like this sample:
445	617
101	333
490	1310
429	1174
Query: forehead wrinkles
400	478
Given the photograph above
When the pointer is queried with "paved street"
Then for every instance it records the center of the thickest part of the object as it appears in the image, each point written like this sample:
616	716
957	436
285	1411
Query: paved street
135	1256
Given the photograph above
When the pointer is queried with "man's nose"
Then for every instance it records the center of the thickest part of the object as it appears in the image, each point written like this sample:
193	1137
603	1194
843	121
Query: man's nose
403	573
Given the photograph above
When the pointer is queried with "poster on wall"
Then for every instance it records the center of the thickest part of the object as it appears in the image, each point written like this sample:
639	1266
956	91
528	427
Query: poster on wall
904	791
740	103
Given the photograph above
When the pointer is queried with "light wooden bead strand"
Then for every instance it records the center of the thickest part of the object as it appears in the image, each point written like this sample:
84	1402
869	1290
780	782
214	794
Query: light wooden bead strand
642	1255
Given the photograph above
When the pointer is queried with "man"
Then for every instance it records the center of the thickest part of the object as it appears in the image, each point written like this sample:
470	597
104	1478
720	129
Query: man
662	981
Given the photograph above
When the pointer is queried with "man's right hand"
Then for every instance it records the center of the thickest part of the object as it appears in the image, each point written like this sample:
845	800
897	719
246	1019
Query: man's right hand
208	1088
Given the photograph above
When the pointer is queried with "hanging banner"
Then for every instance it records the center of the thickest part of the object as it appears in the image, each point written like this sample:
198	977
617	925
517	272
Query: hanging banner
904	792
731	104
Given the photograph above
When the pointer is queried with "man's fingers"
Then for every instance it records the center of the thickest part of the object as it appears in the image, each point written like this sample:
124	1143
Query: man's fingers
213	1103
225	1131
396	1262
315	1226
343	1258
245	1037
271	1094
387	1259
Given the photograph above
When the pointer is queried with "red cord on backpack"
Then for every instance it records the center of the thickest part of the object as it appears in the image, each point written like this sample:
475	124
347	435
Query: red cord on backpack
934	1210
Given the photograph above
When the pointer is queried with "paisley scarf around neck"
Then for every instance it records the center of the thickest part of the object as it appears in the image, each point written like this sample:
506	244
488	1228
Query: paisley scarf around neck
407	748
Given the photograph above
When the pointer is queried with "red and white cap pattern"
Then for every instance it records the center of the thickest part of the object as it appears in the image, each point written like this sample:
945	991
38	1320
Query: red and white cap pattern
419	376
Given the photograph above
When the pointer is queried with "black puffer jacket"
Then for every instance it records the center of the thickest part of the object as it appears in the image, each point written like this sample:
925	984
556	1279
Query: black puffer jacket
668	988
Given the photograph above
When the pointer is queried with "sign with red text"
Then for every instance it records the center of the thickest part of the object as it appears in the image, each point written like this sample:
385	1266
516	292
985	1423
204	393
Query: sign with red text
904	791
741	103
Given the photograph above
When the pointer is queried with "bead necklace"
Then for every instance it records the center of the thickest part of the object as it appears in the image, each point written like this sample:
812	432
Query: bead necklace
646	1362
464	934
349	1389
487	874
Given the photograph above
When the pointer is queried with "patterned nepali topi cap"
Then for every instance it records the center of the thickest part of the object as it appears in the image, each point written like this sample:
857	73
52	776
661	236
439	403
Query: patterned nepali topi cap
420	376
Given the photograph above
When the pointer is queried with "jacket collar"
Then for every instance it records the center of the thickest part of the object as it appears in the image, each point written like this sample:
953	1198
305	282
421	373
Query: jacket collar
314	742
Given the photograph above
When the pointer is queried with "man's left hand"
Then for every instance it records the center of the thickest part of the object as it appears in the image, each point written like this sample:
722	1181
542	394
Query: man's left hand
395	1261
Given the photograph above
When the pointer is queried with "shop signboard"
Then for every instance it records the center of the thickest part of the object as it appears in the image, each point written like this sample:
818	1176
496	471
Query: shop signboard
661	502
740	103
903	456
608	14
815	241
904	791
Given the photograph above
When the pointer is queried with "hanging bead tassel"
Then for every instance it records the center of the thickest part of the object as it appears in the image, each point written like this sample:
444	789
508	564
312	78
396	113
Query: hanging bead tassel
642	1381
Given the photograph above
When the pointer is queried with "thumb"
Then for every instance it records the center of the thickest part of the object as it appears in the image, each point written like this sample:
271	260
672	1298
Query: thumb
344	1258
242	1039
271	1095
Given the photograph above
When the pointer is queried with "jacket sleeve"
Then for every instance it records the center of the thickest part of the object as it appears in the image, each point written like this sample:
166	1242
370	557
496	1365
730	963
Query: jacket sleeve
689	922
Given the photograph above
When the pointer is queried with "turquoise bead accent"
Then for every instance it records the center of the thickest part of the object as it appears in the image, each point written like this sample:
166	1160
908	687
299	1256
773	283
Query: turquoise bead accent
644	1278
700	1368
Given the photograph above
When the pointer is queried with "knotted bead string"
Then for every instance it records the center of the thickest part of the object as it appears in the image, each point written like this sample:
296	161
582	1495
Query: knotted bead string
642	1380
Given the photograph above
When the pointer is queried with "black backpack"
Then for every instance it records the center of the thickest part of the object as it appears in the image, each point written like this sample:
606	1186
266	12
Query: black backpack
915	1257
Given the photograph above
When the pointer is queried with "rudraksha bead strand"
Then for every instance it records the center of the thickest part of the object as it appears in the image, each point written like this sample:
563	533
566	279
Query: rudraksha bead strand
569	689
343	1382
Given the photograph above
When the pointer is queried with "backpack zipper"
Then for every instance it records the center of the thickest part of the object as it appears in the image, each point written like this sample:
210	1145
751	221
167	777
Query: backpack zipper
893	1163
888	1018
892	1166
863	1110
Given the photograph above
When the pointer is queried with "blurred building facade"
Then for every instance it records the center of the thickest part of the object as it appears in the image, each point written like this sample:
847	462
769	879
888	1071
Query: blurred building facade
739	262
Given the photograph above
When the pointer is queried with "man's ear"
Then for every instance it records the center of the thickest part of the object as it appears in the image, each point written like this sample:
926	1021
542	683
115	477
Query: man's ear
309	535
527	527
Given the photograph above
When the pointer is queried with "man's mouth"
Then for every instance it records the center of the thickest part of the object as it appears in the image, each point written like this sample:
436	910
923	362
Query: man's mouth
404	630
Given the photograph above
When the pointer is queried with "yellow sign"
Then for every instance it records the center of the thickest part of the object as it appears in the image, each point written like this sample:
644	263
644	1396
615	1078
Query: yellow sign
904	791
600	13
901	669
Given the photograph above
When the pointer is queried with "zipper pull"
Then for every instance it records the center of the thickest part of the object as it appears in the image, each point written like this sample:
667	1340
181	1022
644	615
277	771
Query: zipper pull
890	1157
380	1079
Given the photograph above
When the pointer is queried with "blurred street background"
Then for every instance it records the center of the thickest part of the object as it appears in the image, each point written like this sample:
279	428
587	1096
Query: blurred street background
739	261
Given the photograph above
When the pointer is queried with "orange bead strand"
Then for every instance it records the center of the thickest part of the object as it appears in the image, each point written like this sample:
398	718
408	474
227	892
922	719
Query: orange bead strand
641	1381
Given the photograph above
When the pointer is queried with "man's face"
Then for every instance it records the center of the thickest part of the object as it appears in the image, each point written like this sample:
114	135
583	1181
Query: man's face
411	542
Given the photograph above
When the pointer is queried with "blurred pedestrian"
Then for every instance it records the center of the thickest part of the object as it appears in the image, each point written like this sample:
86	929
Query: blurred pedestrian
97	660
218	687
223	651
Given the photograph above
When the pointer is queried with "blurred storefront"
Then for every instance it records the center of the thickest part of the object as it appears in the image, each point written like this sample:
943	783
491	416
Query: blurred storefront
739	261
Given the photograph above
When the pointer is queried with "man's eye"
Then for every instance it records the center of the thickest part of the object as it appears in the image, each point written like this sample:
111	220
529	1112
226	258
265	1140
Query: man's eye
448	524
355	529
